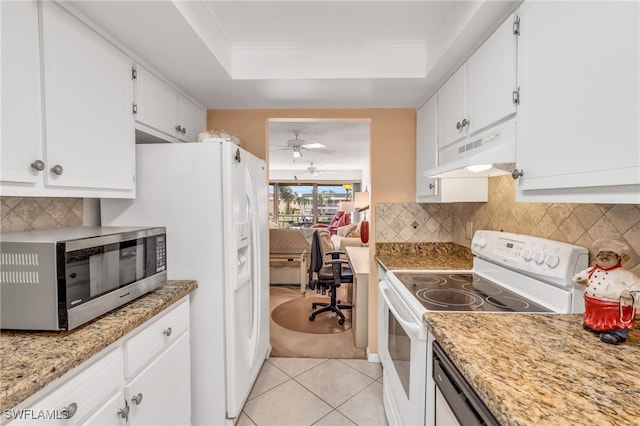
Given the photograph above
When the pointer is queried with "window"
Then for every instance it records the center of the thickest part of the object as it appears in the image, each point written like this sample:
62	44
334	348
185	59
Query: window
305	204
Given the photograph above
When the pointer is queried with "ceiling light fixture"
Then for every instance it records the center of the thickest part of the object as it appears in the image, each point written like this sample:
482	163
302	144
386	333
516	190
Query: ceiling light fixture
296	152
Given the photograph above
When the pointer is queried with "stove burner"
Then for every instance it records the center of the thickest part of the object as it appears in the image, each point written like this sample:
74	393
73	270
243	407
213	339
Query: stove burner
424	279
515	304
463	291
483	287
463	278
450	298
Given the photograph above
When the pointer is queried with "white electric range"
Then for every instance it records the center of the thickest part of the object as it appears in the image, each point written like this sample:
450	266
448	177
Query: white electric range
511	273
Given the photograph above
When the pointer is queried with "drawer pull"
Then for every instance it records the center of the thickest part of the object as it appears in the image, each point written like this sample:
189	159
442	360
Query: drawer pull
137	399
124	412
167	332
70	411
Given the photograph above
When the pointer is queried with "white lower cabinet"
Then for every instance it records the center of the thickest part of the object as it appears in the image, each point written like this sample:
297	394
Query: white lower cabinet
147	393
124	384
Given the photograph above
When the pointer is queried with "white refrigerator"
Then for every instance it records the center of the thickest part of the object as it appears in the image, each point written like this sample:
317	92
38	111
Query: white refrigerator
212	198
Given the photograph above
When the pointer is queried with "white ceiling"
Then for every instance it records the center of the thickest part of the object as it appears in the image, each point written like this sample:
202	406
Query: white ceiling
301	54
348	141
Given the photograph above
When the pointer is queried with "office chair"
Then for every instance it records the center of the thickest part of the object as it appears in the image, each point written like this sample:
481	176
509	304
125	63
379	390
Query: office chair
329	275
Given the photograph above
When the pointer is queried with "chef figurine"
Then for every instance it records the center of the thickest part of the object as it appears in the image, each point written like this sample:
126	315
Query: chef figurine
612	294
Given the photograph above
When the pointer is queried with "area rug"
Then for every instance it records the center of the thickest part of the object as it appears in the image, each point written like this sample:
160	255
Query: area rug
294	315
294	344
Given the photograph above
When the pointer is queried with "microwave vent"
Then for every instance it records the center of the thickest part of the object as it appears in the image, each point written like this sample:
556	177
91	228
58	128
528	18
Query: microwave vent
14	271
19	259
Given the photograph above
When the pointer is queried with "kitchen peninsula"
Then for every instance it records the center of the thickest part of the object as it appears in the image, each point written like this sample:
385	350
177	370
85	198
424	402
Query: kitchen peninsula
32	359
543	369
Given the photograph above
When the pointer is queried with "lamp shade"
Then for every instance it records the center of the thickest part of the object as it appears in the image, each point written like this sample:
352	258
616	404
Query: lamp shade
361	200
347	206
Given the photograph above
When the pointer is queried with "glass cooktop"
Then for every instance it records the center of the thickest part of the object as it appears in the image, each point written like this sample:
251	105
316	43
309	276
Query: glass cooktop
464	292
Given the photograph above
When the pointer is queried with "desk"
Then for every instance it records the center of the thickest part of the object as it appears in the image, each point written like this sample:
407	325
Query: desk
359	262
293	258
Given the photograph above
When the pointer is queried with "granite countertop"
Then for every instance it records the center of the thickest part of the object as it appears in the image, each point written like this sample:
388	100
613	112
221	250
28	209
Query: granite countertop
543	369
425	255
29	360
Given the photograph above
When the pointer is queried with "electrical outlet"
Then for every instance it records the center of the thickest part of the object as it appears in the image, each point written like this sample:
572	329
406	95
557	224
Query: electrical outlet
470	230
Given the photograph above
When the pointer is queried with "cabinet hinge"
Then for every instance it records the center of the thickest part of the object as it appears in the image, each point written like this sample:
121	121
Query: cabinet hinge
134	108
516	96
134	73
516	26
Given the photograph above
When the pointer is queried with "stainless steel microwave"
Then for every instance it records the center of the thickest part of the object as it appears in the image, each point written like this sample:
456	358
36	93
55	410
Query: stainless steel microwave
58	279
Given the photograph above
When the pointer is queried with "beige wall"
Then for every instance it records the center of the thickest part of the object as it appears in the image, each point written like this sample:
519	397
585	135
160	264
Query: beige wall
392	160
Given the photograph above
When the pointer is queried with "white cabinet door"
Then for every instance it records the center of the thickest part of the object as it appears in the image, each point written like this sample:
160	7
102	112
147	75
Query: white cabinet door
578	119
21	142
191	118
160	394
432	190
156	102
426	148
113	412
452	109
88	96
491	79
163	112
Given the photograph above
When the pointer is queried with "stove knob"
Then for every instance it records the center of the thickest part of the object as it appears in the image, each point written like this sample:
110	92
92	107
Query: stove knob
552	260
538	257
527	254
482	242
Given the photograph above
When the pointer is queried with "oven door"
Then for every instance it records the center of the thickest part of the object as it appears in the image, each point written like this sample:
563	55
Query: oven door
402	342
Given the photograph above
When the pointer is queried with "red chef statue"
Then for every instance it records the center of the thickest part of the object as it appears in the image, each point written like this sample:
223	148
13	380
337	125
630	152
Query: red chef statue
612	294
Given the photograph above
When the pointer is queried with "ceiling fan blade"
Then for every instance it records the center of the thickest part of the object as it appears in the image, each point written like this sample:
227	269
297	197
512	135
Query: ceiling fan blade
320	150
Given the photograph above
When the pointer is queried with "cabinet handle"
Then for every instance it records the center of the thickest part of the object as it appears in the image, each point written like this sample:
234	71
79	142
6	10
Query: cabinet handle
465	122
458	125
124	412
515	174
137	399
38	165
70	410
431	186
57	169
167	332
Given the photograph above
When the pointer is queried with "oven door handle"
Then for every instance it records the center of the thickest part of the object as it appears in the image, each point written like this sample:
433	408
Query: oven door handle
405	320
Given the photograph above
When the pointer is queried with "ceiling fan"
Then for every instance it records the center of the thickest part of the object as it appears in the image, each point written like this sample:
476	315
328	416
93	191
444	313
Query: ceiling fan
298	145
313	171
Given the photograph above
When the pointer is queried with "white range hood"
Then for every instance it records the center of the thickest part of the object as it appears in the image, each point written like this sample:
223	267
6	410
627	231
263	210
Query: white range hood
489	153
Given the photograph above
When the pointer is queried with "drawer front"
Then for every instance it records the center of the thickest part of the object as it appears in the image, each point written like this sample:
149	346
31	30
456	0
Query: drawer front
88	390
154	338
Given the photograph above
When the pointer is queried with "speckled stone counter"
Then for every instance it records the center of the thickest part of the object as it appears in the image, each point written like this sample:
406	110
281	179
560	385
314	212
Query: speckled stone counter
543	369
29	360
424	255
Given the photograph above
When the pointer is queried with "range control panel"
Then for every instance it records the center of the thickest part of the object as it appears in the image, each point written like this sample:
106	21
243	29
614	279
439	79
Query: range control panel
544	259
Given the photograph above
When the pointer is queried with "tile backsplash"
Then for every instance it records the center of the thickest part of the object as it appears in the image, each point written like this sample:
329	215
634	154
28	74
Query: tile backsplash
25	214
579	224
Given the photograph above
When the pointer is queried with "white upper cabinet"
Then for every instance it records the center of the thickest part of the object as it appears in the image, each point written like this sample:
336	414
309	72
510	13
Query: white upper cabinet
491	80
452	110
433	190
578	119
163	112
480	94
426	148
88	147
21	143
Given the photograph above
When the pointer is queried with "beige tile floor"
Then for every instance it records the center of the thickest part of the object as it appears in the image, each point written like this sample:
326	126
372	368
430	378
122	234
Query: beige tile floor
313	391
